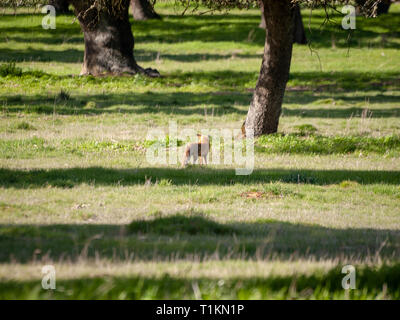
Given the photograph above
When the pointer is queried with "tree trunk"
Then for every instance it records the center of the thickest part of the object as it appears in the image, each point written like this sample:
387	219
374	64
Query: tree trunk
266	105
61	6
108	39
262	22
383	7
299	35
143	10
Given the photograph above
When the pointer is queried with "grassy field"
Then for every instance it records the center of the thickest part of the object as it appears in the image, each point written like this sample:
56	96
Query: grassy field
77	192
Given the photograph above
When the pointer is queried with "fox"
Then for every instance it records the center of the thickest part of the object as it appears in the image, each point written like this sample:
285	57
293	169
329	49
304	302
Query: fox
197	150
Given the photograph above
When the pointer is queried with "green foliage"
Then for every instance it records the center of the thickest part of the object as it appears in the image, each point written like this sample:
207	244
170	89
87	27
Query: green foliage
280	190
166	143
315	144
305	129
25	126
348	184
189	223
165	183
90	105
10	69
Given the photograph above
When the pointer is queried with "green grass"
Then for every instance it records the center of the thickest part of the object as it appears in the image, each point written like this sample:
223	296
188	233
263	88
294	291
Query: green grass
273	144
8	69
184	223
315	144
76	190
320	285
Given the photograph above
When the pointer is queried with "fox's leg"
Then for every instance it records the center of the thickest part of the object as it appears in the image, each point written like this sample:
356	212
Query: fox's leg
200	160
194	159
184	161
205	160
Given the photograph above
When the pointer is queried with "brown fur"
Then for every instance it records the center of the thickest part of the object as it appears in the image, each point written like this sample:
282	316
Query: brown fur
202	147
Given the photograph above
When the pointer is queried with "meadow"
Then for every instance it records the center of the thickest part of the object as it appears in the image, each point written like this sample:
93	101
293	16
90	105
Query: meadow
77	192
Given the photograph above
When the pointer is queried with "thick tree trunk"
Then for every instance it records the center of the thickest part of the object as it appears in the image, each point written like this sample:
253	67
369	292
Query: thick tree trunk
143	10
61	6
299	35
108	39
266	105
383	7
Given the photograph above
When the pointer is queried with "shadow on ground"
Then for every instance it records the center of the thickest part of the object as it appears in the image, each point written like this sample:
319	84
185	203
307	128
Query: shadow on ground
241	28
16	178
372	283
330	90
192	235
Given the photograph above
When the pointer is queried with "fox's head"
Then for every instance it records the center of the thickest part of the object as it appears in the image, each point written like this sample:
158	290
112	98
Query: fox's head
203	139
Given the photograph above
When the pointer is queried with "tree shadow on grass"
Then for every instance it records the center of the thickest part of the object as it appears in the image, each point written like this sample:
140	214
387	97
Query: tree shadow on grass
319	285
76	56
244	28
148	56
318	81
178	103
230	27
31	54
177	29
223	99
191	235
197	104
68	178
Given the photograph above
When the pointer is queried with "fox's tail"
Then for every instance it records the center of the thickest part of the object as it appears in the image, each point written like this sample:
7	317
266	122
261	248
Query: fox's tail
186	156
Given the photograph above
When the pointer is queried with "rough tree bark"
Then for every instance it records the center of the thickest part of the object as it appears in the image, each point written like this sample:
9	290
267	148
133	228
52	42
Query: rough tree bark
266	104
108	39
61	6
299	35
143	10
